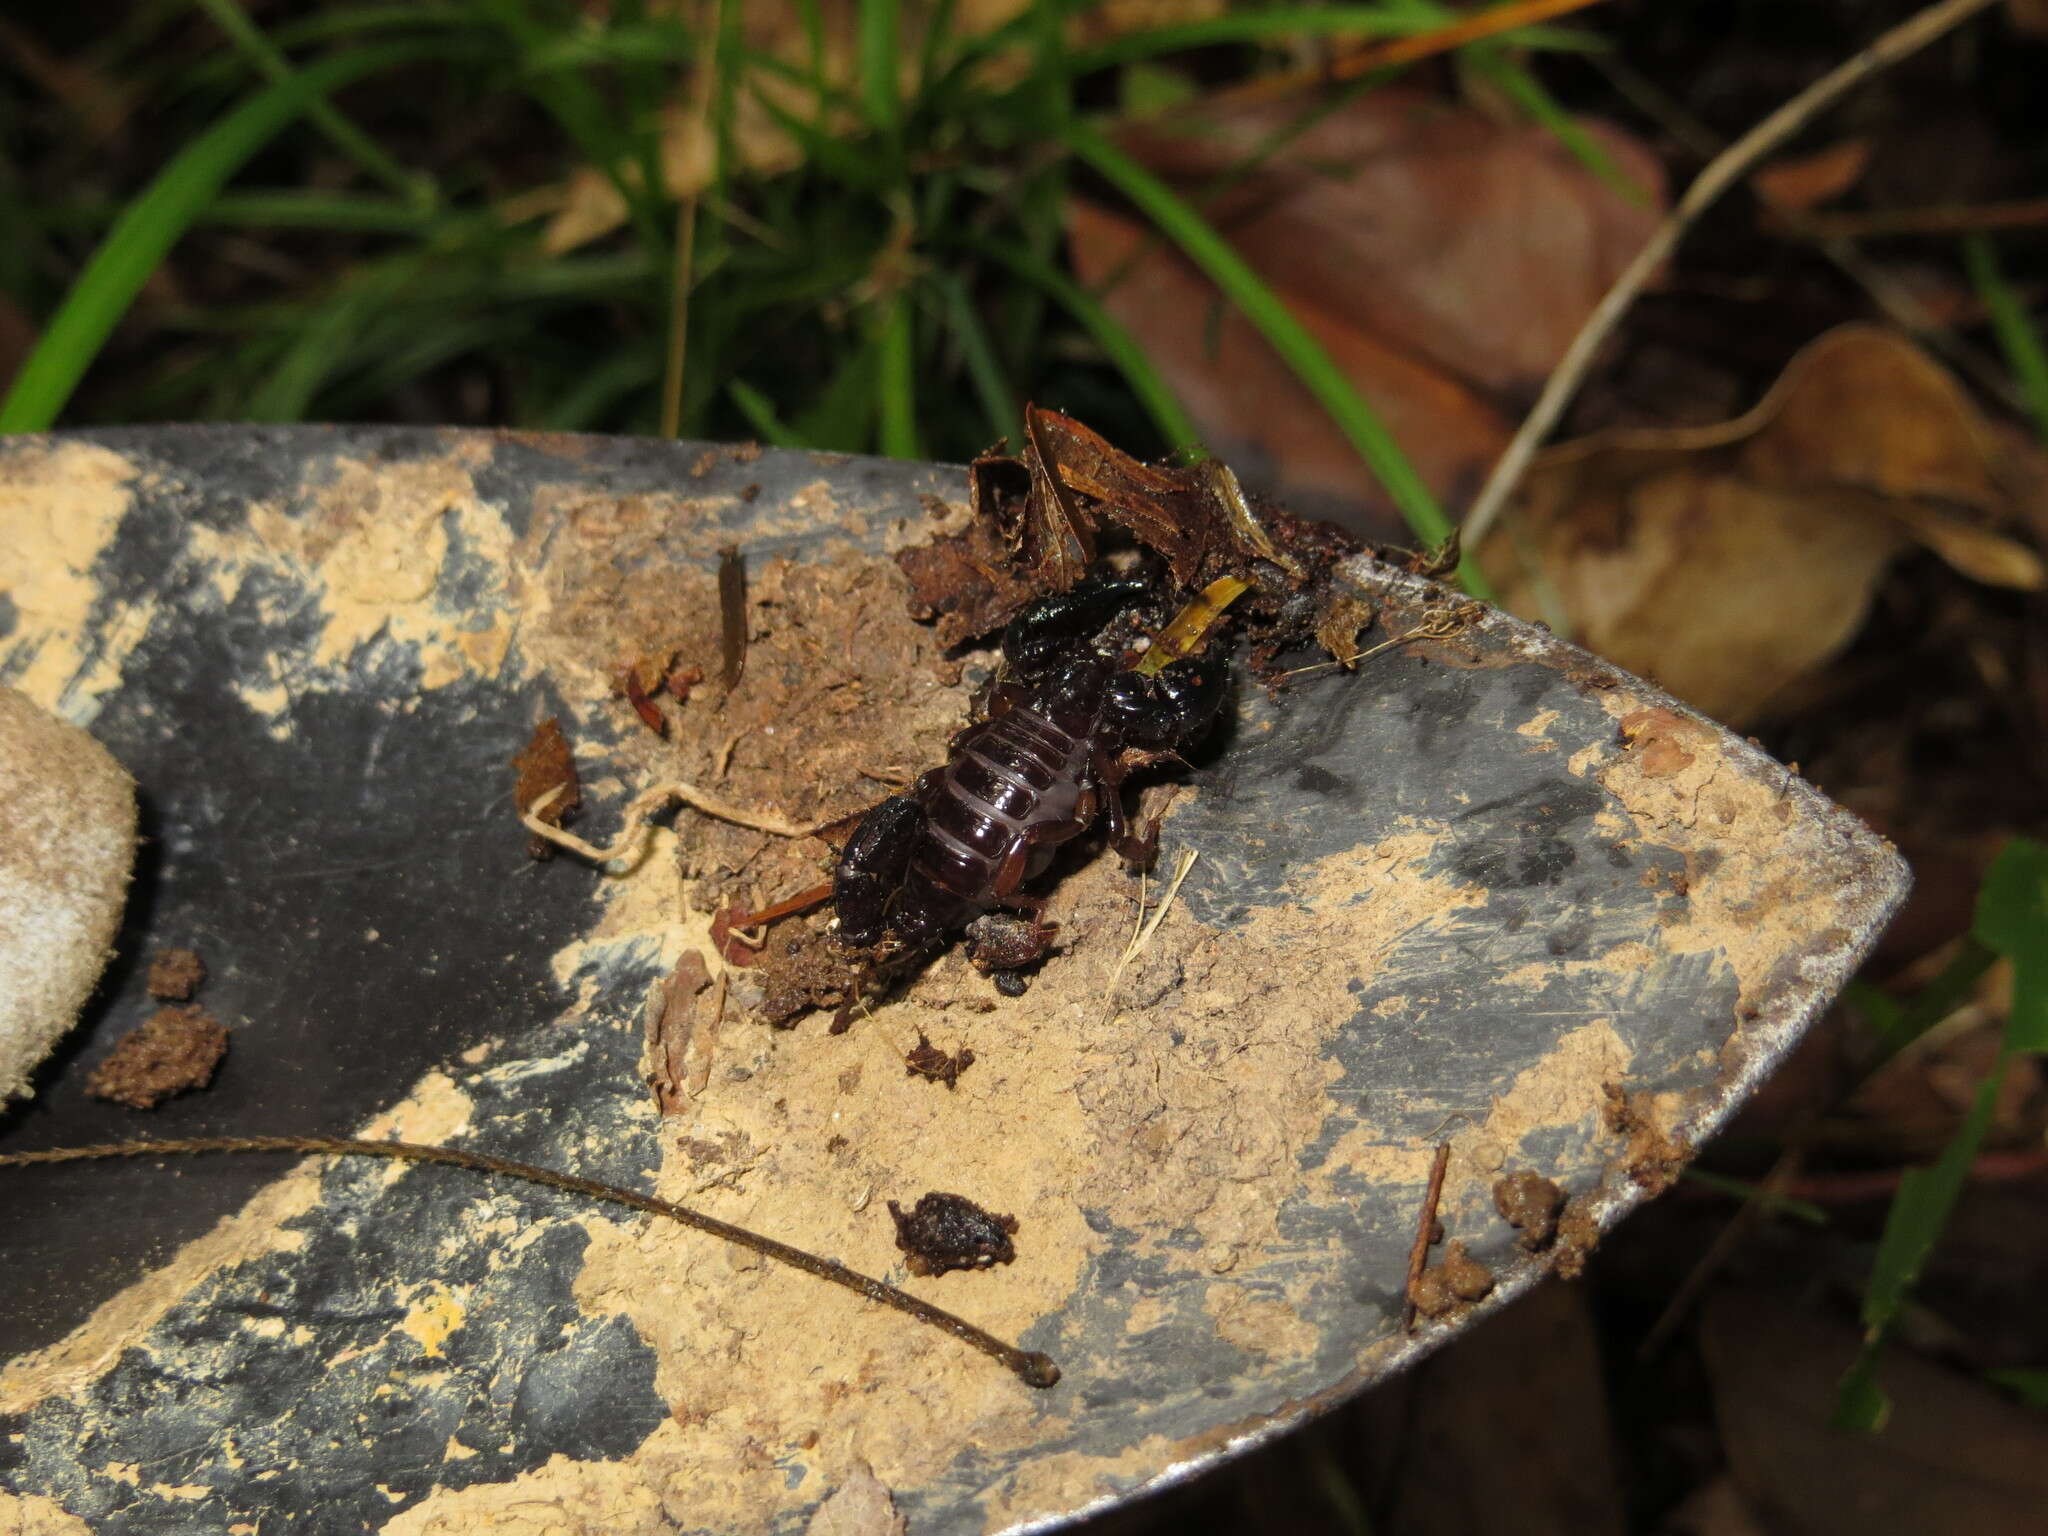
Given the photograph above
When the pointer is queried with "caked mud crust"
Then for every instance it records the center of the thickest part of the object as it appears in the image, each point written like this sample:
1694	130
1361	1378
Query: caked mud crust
1455	896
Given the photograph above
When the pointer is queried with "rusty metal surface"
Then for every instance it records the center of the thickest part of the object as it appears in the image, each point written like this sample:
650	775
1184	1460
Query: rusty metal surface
1458	895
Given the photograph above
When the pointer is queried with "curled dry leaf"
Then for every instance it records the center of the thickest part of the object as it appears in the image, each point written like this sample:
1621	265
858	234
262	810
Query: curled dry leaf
1729	560
1442	258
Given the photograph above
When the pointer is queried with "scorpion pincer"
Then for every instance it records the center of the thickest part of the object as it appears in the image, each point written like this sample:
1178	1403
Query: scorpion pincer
1067	721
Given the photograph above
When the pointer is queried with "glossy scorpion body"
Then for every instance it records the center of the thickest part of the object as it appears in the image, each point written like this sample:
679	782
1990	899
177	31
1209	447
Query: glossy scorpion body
1067	722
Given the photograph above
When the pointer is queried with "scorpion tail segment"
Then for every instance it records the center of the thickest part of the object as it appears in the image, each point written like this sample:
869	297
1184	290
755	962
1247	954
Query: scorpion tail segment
1049	631
873	866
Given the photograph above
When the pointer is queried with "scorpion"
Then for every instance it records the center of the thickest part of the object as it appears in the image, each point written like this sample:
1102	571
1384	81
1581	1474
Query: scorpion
1063	725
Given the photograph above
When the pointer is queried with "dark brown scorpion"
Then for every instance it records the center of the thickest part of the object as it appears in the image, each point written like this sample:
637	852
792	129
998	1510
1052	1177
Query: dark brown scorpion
1063	727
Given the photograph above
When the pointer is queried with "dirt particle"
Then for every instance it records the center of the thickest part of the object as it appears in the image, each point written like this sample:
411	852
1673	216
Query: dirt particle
802	969
174	1051
951	1232
1578	1235
1654	1157
935	1065
1655	737
1530	1203
175	975
1455	1280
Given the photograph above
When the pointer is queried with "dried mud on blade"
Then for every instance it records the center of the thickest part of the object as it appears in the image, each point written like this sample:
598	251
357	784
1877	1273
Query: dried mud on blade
1486	891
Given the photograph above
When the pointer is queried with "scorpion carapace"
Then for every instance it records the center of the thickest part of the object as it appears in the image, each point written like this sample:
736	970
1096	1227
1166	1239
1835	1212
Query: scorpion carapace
1064	725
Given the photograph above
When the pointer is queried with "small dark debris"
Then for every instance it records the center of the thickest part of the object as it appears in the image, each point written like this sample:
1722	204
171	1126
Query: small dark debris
1531	1203
935	1065
751	491
1455	1280
682	680
1000	942
643	705
952	1232
744	453
175	975
174	1051
732	616
545	763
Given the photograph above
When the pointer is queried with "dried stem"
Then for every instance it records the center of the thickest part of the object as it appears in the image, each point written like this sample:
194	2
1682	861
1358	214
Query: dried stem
1727	168
1030	1367
630	842
1425	1233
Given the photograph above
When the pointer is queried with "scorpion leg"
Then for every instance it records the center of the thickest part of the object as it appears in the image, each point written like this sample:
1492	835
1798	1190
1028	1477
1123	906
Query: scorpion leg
1138	849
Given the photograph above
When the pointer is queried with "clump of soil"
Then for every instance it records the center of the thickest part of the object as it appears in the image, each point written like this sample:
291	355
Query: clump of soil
176	975
1654	1158
174	1051
801	969
951	1232
1455	1280
1530	1203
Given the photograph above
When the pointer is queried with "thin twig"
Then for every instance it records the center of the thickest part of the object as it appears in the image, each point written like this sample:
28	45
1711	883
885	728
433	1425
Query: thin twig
1727	168
1437	627
679	316
1954	219
630	842
1425	1233
1030	1367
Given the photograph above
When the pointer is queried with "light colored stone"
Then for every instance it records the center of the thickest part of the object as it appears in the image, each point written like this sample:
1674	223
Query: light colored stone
67	845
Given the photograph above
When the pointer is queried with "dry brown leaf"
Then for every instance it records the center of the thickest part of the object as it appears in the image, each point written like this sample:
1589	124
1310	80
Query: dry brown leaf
1729	560
1442	258
1254	414
1954	1456
1802	182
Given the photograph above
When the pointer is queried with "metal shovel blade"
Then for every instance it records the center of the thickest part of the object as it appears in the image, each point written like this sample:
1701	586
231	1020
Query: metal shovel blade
1484	891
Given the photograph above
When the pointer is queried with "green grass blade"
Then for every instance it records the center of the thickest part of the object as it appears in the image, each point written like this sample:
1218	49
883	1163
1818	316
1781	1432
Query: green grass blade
1303	354
293	208
2017	333
332	332
1743	1190
2028	1383
575	104
896	361
2011	919
1527	92
978	353
1117	343
587	404
1931	1004
153	223
358	146
881	26
760	413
